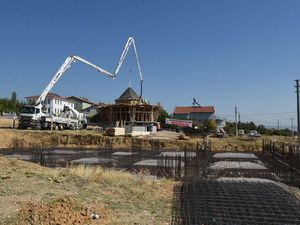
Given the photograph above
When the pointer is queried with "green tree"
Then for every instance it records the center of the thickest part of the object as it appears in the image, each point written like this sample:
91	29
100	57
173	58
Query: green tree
163	114
14	97
209	125
262	129
230	128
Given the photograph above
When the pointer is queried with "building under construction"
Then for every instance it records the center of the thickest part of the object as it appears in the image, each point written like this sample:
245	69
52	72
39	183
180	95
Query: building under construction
130	112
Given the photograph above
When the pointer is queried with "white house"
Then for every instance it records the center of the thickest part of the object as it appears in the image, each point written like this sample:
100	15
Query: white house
54	103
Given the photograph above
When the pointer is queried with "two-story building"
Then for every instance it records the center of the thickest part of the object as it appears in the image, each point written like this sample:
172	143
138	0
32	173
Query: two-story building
54	103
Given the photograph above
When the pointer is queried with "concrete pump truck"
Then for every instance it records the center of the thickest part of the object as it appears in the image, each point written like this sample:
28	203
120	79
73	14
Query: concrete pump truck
37	116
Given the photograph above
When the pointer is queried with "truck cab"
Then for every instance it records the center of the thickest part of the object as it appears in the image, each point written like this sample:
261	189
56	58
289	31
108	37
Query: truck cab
30	116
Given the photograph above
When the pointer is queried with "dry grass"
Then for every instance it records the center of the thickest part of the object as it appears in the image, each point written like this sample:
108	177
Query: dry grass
236	144
102	175
119	197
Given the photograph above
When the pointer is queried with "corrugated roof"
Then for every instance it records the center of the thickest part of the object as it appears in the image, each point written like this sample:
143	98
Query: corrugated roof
191	109
128	94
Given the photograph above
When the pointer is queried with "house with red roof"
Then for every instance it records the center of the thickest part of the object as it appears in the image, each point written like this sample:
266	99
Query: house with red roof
196	113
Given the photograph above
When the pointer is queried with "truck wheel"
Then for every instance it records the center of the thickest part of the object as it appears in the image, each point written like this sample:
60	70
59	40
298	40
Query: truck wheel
38	126
21	127
61	127
75	127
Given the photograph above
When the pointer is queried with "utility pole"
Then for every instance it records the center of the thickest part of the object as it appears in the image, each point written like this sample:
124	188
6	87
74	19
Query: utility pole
298	115
236	127
292	126
239	118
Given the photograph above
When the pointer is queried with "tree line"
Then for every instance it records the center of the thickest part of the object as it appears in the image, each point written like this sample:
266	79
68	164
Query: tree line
10	104
248	126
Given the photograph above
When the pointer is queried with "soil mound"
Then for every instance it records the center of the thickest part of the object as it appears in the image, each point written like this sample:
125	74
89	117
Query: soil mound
62	211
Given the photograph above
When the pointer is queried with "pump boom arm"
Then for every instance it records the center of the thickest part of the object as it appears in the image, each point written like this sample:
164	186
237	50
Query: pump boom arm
130	42
67	63
73	58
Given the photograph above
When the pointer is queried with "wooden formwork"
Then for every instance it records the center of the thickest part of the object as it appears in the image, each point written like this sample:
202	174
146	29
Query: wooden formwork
117	114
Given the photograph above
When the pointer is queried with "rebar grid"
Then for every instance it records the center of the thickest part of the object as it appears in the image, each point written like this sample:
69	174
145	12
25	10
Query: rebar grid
236	202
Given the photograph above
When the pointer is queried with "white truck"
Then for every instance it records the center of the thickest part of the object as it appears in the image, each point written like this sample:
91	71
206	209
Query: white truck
37	117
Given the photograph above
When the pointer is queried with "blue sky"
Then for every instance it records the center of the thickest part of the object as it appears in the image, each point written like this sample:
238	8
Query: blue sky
223	53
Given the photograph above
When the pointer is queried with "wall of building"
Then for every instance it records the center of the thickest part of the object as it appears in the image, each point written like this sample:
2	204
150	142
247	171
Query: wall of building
201	116
53	106
181	116
85	105
195	116
90	112
56	106
79	105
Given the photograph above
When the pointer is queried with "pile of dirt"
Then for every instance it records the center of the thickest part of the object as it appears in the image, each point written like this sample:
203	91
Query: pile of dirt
63	211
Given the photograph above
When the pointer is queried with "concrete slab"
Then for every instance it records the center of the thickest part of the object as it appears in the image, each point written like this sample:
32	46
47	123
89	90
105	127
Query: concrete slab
147	162
154	163
234	155
93	161
125	153
173	154
236	165
19	156
70	152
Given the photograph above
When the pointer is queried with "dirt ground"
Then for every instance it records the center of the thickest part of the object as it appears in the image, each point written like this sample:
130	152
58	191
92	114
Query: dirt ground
6	123
164	140
31	194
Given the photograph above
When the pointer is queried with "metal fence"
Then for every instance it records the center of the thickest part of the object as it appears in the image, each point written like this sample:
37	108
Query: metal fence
224	196
233	201
284	160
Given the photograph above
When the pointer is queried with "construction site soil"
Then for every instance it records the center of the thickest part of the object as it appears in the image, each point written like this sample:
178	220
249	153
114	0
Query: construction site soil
32	194
164	140
247	186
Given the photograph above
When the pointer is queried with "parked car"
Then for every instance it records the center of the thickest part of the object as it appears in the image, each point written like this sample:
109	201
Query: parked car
241	132
254	133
